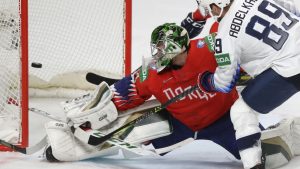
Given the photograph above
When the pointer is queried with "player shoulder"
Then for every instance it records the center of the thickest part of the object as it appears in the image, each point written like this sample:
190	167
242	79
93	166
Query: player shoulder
206	43
146	72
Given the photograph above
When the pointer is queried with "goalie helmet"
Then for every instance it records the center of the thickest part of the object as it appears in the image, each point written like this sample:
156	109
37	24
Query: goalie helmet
206	4
167	41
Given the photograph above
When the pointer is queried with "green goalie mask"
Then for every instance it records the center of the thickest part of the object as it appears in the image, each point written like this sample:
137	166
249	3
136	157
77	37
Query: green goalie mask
167	41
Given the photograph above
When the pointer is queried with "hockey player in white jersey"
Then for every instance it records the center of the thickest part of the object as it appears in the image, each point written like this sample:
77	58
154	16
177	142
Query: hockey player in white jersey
262	37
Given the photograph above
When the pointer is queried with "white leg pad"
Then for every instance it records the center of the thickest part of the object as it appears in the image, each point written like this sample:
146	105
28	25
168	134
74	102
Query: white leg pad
296	136
65	147
151	128
285	137
288	131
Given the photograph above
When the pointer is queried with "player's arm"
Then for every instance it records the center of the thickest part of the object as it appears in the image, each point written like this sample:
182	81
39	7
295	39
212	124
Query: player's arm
194	23
129	93
226	74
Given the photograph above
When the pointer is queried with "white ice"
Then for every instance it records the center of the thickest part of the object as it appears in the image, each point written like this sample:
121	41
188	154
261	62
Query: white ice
196	155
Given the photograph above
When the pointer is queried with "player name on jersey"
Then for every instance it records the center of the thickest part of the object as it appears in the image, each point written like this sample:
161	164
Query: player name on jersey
239	16
194	95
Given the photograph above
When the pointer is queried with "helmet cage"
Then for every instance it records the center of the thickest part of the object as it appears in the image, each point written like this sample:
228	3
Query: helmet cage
167	41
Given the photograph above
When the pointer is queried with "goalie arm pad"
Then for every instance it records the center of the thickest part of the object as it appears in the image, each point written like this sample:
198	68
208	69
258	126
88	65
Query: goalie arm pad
194	23
126	95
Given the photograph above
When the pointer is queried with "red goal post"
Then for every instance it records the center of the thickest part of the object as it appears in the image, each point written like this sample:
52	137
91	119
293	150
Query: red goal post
68	38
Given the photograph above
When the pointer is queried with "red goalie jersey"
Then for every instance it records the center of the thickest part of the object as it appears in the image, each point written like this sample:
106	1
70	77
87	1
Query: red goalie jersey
198	109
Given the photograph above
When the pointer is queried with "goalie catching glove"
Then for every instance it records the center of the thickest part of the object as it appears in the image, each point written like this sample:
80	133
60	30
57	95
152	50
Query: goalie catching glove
99	111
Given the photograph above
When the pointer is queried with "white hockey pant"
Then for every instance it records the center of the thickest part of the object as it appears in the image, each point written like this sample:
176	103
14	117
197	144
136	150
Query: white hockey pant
246	124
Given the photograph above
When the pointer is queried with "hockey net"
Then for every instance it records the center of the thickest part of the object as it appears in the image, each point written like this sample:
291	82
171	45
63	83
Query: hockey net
63	40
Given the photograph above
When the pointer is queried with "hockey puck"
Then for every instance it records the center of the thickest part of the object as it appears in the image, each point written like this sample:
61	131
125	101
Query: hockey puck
36	65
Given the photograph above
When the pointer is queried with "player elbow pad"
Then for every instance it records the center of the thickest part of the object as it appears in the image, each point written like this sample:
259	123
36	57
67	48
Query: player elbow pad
125	93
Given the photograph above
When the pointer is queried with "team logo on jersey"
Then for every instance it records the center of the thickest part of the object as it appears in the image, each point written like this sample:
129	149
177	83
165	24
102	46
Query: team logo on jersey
143	73
223	59
210	41
200	43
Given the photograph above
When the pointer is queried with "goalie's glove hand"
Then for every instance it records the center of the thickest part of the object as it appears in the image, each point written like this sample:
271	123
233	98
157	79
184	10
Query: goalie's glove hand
223	80
194	23
125	93
99	111
76	103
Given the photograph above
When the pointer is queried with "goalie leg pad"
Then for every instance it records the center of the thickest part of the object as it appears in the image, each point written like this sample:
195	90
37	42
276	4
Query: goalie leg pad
296	136
155	126
281	142
65	147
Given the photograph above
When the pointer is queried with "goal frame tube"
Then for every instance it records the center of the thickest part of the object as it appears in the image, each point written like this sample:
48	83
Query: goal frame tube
23	12
24	102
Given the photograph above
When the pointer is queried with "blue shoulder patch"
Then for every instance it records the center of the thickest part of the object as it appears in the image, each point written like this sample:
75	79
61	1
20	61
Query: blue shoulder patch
200	43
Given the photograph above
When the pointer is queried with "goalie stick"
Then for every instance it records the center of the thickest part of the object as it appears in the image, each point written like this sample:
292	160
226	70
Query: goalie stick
135	151
27	150
97	79
36	147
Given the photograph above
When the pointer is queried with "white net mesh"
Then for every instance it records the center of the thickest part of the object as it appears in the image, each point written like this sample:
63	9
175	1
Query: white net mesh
10	71
69	38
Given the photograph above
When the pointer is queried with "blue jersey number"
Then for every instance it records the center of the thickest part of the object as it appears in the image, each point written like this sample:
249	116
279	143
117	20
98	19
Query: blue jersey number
266	28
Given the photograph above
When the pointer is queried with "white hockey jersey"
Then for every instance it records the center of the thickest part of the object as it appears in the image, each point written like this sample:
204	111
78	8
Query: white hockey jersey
259	34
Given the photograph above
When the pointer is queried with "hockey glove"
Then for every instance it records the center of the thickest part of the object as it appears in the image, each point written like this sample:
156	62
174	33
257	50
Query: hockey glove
205	82
223	80
194	23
